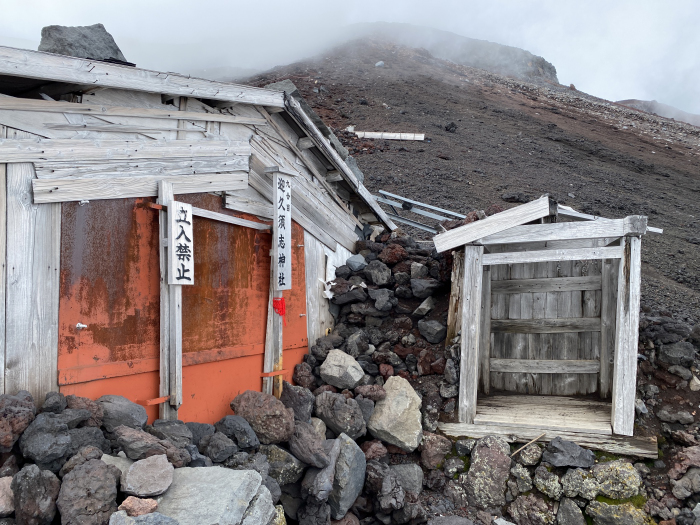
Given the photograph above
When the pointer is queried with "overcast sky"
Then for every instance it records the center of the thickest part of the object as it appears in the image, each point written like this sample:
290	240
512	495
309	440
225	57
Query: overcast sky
613	49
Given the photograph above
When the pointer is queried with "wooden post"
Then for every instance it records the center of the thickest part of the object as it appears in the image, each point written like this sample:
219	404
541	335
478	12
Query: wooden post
608	308
471	313
485	332
626	337
454	312
3	265
165	410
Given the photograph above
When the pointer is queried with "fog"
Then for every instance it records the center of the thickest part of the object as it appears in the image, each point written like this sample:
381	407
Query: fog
624	49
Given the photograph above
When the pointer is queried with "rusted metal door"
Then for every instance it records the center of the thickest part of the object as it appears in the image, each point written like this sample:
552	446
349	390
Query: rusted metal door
110	284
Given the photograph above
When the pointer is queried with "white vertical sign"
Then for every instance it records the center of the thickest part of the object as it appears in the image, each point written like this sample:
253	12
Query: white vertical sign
180	243
282	233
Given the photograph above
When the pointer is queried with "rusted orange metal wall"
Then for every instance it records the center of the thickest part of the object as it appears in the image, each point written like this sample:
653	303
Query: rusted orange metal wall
110	282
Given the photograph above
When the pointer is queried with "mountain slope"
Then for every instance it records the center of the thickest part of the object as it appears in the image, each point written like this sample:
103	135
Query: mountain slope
514	137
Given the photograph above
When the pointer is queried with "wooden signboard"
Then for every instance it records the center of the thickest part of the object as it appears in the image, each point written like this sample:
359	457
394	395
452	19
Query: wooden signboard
282	229
181	244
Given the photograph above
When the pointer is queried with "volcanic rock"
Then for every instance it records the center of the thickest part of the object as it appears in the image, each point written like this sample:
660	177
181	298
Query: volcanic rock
561	453
397	418
120	411
307	445
341	415
148	477
174	431
341	370
88	494
138	507
349	477
35	492
93	42
488	473
409	476
271	421
299	399
284	467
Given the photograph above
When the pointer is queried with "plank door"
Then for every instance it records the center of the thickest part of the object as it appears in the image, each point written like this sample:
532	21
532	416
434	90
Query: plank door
547	332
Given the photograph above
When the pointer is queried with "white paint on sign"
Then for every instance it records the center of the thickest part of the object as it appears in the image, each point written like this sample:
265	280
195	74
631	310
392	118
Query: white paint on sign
282	233
180	243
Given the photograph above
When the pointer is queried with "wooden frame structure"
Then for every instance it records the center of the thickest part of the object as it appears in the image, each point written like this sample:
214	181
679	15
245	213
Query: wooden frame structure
82	131
567	331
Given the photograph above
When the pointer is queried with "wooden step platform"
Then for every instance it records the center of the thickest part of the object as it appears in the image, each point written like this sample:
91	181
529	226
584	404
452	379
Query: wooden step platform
521	418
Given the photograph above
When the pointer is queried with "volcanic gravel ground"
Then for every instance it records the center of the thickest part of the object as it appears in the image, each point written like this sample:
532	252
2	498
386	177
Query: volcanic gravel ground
514	137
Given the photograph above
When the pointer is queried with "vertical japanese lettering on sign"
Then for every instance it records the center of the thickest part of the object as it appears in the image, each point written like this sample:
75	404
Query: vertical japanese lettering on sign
282	233
180	244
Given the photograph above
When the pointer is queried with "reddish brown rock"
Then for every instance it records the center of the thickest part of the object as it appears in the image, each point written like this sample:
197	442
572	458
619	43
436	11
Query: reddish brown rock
138	506
686	458
386	371
373	449
403	323
435	448
438	366
393	449
425	360
303	376
138	444
373	392
404	374
402	267
78	403
271	421
350	519
325	388
403	351
16	413
348	394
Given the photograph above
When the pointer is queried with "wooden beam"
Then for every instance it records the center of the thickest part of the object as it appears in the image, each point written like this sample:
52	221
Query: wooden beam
32	293
135	168
222	217
554	284
633	225
97	110
644	447
454	310
333	176
389	136
70	189
302	119
485	333
546	326
494	224
3	267
305	143
537	366
608	313
74	150
60	68
574	254
471	324
626	338
165	410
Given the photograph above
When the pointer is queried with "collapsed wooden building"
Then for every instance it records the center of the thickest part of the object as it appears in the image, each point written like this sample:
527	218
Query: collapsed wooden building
548	313
93	156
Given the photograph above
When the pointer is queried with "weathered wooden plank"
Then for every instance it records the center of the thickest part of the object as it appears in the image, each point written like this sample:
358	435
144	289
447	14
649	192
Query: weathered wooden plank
471	310
74	150
385	135
163	167
221	217
493	224
643	447
318	316
542	285
626	338
485	333
608	314
546	326
69	189
633	225
536	345
548	341
3	266
165	410
249	201
60	68
553	255
499	310
589	342
536	366
33	266
514	343
454	311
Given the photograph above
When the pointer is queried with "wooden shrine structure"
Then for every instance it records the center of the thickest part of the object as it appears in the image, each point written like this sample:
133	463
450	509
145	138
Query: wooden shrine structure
548	313
94	157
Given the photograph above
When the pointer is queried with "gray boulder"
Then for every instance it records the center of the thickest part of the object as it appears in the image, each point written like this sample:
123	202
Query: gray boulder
397	418
410	476
314	513
433	331
617	479
341	370
688	485
378	273
488	474
450	520
7	500
681	353
381	482
80	41
423	288
307	445
238	429
35	492
218	447
356	263
199	430
318	483
349	477
340	414
261	509
54	402
384	299
562	453
148	477
284	467
154	518
209	495
548	483
580	483
46	442
424	308
569	513
299	399
88	494
174	431
118	411
120	461
357	344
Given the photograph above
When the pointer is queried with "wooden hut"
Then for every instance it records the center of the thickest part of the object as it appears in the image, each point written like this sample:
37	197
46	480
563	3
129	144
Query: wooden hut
548	313
96	160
